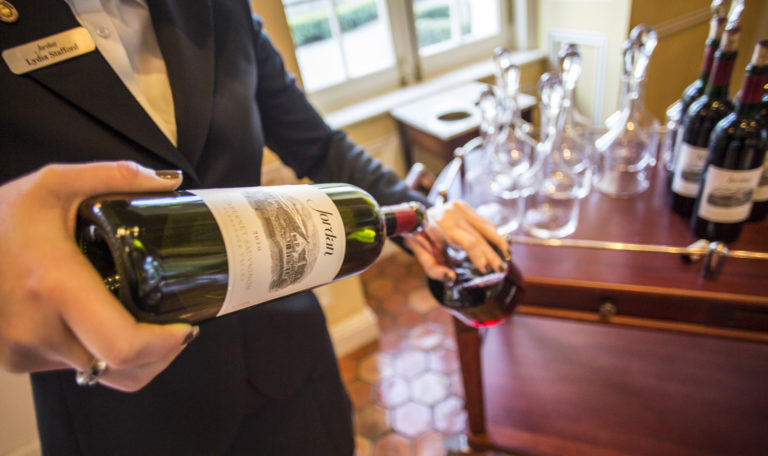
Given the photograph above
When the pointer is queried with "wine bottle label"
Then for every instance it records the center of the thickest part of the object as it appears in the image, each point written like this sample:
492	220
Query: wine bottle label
279	240
761	194
688	170
727	194
679	135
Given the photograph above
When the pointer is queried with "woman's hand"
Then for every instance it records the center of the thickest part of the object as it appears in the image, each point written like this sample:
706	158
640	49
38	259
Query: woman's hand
55	311
457	224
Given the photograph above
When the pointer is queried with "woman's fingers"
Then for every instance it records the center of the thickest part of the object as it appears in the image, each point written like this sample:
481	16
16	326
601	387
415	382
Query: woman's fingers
73	183
480	253
107	329
20	358
484	227
135	377
458	224
108	332
108	177
429	259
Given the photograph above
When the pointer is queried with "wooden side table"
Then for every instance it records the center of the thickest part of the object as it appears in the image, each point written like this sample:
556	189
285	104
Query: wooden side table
563	387
440	123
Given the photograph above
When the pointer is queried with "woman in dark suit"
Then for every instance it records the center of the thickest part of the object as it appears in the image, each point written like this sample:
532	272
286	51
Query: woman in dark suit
259	381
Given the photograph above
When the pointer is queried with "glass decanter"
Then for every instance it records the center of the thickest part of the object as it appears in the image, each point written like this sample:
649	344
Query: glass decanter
627	152
571	146
507	80
552	205
513	150
494	163
644	39
550	100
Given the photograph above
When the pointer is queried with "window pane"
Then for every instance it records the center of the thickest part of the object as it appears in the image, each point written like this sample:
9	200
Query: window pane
480	18
433	21
365	36
339	40
444	24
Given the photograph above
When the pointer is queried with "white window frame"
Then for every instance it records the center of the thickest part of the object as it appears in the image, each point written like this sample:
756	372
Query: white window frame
411	68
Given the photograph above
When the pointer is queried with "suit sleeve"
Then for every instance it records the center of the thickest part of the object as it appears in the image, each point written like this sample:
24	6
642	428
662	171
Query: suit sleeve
296	132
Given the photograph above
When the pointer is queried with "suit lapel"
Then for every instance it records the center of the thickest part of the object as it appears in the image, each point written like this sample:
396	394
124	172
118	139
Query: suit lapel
185	37
89	82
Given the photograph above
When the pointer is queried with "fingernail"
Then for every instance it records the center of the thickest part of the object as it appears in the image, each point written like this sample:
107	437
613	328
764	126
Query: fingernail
192	335
447	278
168	174
488	269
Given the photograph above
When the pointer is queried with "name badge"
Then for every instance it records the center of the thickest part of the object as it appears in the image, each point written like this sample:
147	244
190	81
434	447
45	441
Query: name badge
49	50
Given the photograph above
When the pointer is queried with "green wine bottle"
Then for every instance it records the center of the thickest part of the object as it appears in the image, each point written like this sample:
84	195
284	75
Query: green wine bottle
194	255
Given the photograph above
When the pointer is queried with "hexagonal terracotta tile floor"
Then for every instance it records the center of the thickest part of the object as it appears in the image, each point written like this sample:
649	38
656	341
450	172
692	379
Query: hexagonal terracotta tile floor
406	388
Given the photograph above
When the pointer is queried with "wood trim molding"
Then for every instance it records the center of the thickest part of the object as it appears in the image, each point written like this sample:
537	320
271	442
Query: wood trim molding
682	22
686	328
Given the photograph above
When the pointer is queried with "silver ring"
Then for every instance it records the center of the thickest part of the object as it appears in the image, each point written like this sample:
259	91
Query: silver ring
91	376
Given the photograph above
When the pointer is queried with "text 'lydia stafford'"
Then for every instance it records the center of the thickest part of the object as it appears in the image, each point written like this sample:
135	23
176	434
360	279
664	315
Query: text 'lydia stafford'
50	50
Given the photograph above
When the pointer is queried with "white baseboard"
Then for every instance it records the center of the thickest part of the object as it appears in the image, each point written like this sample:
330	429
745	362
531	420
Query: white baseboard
354	332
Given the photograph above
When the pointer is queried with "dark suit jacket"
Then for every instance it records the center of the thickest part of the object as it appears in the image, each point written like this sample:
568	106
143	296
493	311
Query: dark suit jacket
232	97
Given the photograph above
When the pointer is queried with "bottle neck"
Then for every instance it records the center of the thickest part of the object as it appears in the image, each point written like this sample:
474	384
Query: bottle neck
720	79
709	57
403	218
750	97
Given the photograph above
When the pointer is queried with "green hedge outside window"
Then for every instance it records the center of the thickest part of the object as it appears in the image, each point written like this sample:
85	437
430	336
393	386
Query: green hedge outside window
312	27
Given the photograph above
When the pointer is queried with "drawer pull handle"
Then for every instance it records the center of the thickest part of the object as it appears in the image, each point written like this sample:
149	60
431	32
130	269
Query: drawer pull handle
607	310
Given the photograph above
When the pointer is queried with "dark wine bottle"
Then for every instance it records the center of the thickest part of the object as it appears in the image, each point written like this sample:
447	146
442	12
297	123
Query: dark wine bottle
194	255
699	121
734	160
760	205
696	88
